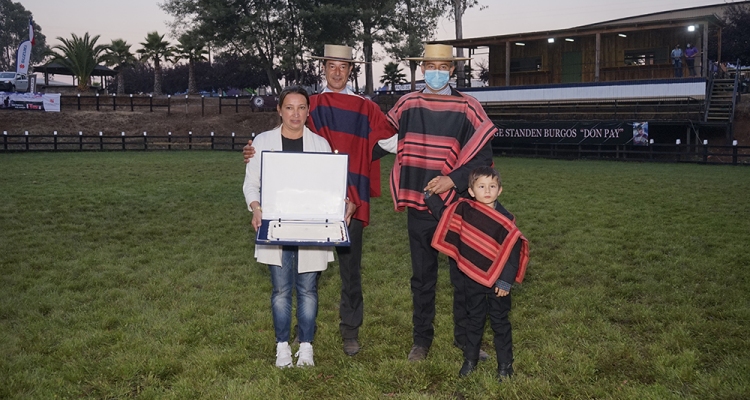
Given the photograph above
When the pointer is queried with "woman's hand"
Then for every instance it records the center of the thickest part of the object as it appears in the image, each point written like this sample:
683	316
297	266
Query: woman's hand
257	219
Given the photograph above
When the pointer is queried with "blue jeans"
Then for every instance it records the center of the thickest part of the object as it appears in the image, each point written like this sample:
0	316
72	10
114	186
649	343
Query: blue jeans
284	278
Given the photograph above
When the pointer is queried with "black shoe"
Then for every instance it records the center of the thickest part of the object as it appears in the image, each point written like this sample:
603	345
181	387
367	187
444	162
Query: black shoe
418	353
504	371
351	347
468	367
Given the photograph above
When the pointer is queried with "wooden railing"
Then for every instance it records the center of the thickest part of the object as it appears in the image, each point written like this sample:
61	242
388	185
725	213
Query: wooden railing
81	142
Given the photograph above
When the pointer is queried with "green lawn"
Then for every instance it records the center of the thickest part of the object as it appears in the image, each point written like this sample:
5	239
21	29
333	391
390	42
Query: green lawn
128	275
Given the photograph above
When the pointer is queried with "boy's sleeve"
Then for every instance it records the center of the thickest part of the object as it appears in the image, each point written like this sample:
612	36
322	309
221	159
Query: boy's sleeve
508	276
435	204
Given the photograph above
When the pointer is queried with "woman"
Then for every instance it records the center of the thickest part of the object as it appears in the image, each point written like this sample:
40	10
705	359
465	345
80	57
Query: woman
290	266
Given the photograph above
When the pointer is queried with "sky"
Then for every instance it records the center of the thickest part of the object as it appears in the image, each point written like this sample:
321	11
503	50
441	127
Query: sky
131	20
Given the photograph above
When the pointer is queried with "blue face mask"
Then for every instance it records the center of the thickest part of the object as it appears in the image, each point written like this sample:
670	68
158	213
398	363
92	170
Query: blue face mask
436	79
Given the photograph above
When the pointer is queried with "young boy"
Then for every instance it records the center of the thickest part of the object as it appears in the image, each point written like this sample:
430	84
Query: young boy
483	242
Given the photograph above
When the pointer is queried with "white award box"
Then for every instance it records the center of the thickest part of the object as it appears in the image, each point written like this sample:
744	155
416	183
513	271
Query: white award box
303	199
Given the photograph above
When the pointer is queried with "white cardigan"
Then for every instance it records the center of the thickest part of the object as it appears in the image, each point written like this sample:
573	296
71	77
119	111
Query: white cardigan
311	258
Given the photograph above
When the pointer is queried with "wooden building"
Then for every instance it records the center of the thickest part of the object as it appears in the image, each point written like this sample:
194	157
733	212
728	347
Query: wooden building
632	48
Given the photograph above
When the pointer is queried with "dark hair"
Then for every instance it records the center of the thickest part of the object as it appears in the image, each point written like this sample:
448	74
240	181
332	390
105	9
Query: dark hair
325	62
293	89
484	171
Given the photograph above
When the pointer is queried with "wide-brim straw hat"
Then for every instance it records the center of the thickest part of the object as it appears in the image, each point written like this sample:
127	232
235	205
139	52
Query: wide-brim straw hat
336	52
438	52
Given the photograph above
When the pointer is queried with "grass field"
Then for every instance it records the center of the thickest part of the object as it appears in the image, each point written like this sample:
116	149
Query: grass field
130	275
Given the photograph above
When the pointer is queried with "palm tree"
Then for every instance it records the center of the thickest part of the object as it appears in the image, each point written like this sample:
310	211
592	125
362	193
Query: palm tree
392	75
80	55
191	47
119	55
156	49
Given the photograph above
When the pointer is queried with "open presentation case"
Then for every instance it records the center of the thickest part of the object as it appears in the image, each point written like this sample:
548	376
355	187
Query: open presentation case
303	199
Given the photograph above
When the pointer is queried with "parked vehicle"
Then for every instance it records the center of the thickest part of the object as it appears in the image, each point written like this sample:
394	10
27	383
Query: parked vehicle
13	82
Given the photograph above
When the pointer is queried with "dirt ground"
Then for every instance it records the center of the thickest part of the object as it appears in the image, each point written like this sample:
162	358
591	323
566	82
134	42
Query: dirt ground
181	120
155	123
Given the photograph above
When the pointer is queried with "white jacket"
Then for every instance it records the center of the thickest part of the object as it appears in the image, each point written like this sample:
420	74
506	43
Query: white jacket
311	258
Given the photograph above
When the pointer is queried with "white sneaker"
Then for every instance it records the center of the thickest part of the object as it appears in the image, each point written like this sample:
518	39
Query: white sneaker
283	355
305	355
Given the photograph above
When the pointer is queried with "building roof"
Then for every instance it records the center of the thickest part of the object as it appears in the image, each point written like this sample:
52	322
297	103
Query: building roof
706	14
59	69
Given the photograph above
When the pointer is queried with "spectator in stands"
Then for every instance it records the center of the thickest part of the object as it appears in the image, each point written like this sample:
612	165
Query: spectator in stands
723	70
690	53
677	61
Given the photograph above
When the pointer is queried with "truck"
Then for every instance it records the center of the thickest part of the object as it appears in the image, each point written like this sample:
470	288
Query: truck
13	82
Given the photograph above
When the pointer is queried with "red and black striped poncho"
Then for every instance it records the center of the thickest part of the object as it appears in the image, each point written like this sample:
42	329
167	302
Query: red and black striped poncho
352	125
437	135
481	240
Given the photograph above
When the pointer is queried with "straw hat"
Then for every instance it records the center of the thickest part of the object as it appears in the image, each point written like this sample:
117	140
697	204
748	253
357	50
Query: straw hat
335	52
438	52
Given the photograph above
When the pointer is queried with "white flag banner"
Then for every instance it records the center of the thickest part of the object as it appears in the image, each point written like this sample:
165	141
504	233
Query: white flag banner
24	57
31	101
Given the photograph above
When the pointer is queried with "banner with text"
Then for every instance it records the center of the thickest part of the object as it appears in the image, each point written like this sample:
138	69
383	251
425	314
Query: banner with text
571	132
31	101
24	57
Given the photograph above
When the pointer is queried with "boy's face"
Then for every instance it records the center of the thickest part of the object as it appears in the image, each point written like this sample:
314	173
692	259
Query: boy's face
485	190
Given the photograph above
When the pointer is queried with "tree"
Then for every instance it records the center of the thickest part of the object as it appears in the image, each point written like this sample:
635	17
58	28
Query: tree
736	35
457	9
249	27
14	30
192	48
118	55
80	55
392	75
376	18
415	23
484	71
156	50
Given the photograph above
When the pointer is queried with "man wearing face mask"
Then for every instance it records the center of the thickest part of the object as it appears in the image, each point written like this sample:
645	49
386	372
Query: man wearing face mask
442	136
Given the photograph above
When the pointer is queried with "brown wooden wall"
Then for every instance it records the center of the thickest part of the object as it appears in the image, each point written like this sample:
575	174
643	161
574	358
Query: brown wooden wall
612	59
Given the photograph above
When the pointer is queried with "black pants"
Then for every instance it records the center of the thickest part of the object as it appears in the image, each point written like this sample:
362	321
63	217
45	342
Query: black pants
351	307
424	265
480	302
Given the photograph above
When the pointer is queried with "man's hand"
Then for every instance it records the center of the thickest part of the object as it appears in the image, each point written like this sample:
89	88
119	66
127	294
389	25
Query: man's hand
350	209
248	151
439	184
500	293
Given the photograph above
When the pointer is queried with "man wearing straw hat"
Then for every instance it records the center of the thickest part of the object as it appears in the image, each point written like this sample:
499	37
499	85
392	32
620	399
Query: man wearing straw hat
354	126
442	136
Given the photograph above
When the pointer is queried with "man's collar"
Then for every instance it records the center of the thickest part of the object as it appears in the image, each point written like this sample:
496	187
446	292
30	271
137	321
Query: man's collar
447	90
345	91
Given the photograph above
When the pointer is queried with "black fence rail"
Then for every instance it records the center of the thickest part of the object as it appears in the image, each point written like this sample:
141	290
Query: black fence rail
685	153
81	142
188	104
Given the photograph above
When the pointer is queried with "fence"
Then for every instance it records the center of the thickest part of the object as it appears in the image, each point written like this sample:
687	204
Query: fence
81	142
688	153
186	103
685	153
